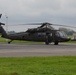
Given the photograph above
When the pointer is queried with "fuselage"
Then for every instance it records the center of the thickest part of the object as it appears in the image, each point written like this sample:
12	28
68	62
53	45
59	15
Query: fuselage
39	36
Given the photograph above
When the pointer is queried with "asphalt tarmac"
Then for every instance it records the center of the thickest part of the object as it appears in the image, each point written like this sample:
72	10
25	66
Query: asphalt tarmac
23	50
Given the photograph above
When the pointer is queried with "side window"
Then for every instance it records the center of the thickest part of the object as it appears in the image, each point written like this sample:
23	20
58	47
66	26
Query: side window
39	34
50	34
57	34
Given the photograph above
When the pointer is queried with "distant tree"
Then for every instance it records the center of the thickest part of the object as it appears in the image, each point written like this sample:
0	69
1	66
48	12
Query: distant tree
11	32
67	31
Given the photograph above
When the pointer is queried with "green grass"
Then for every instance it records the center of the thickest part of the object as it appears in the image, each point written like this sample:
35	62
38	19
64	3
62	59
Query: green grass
71	42
2	39
54	65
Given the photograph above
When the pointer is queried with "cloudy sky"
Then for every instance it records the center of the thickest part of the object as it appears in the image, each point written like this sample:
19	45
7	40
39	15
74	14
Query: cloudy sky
30	11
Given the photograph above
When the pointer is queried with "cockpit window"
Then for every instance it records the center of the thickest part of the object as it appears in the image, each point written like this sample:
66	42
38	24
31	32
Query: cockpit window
61	33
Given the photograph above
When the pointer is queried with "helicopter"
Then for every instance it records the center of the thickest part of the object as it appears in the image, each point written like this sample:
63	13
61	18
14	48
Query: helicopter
44	33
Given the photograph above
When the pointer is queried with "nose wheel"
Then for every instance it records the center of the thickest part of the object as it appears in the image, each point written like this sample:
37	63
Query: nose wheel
47	43
56	43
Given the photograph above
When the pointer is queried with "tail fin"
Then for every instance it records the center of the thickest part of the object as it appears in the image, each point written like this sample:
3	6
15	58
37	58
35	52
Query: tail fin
2	31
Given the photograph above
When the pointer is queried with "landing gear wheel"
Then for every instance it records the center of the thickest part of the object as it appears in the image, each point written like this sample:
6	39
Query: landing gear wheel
47	43
55	43
8	42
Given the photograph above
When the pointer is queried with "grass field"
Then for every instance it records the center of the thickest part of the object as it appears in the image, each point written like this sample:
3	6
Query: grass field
56	65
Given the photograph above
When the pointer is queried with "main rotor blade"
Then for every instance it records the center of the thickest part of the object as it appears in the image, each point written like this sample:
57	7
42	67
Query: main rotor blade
31	24
63	25
25	24
36	23
42	24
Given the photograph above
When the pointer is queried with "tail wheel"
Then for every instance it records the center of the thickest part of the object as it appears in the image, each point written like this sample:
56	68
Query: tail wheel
56	43
10	41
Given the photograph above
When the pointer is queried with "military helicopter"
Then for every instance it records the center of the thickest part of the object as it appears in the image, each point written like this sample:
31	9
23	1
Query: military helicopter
44	33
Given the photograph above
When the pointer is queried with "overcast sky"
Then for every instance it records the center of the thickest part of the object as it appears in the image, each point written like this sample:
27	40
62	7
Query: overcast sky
27	11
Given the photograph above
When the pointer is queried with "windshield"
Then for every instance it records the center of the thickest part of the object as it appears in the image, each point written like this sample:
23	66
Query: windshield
62	34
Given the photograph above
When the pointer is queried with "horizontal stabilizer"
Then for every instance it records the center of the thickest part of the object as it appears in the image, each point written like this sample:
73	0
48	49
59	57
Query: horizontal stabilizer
1	24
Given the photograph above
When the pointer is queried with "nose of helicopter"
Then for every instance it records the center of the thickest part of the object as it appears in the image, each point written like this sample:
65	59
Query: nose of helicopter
67	39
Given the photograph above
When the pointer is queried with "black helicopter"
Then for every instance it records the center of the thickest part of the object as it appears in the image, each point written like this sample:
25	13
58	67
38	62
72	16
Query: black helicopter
44	33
